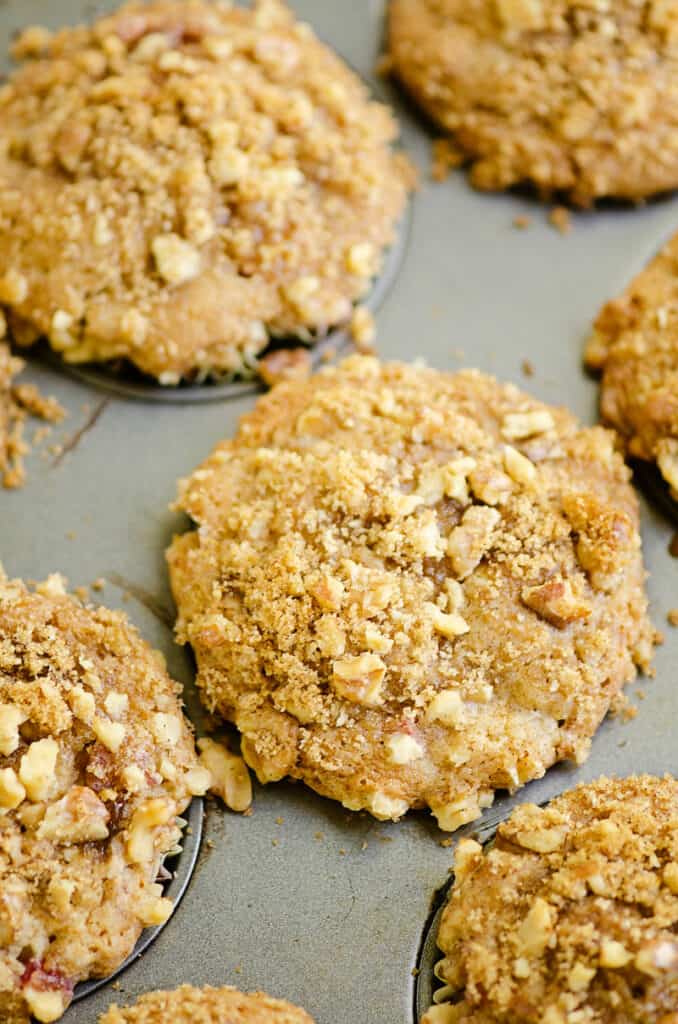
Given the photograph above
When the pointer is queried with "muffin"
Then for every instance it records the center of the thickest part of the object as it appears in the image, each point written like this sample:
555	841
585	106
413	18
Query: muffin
209	177
634	345
96	764
187	1005
578	98
571	917
409	588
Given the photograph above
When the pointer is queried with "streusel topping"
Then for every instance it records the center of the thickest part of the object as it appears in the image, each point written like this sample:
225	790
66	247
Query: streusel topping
578	96
207	175
571	917
188	1005
635	345
96	764
410	588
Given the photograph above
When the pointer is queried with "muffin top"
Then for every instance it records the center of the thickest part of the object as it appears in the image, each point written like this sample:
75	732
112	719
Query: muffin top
208	176
409	588
188	1005
634	344
96	764
571	916
569	95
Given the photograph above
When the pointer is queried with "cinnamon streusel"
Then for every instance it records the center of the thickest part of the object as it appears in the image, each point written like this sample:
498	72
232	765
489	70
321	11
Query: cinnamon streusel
571	96
188	1005
635	345
571	917
96	764
409	588
208	176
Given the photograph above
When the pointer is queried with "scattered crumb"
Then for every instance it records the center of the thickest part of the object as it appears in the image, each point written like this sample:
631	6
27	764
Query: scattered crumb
274	842
238	969
445	157
364	844
40	435
116	986
446	843
36	404
672	617
641	694
285	364
82	593
528	368
248	813
210	844
560	218
17	403
385	839
342	853
363	328
622	743
319	835
70	535
99	583
280	821
415	972
522	221
329	354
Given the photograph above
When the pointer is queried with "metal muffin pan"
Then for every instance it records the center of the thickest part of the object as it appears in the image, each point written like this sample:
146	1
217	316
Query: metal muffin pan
328	908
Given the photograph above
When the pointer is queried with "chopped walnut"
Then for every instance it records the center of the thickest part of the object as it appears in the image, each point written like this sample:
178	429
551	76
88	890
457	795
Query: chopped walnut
536	929
471	541
10	720
229	777
556	601
177	260
36	769
359	679
12	793
403	748
79	817
517	426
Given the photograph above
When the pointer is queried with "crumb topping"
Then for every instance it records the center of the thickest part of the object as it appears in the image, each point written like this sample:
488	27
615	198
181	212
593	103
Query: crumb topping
571	915
571	95
209	175
96	764
634	345
187	1005
410	588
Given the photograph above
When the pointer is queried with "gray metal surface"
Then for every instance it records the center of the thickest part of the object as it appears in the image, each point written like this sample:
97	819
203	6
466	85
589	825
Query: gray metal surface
304	908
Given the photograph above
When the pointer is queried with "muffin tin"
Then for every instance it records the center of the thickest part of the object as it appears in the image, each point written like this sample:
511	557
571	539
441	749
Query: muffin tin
303	899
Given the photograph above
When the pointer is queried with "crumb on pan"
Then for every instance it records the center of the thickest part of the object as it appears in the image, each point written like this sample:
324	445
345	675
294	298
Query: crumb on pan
17	403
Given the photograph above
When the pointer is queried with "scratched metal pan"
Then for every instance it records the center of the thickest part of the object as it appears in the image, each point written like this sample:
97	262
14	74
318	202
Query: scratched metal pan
302	898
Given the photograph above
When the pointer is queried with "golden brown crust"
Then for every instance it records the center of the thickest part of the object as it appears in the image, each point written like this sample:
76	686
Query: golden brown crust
634	344
571	917
572	96
209	176
409	588
188	1005
96	763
